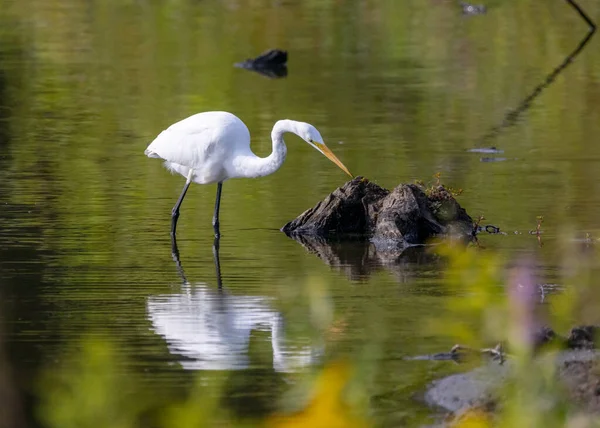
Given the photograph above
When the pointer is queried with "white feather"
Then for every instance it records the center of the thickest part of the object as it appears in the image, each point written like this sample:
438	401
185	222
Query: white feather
203	142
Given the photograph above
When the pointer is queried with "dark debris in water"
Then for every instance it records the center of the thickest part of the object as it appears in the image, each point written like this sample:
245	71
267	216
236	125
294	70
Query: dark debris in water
584	337
272	64
490	159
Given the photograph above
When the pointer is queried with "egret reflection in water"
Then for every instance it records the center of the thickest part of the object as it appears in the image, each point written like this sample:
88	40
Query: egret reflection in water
212	328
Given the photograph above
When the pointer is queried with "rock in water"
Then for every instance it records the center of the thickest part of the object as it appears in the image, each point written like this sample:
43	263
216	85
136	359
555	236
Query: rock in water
408	215
272	63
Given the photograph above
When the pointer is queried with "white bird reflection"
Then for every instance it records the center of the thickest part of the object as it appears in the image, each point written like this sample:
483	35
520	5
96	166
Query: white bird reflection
212	328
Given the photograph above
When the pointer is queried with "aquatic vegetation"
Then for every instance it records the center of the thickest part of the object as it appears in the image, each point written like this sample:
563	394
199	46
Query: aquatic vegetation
437	190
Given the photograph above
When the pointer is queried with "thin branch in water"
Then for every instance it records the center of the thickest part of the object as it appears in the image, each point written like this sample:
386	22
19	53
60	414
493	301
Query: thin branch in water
512	116
582	13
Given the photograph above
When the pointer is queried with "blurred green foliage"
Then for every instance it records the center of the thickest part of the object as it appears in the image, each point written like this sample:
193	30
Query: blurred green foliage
477	307
498	300
88	392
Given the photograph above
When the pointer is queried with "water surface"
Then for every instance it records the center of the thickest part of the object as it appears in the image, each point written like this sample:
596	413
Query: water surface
399	91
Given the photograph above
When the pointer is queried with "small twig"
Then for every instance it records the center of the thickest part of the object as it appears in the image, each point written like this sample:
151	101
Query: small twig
496	352
538	231
476	225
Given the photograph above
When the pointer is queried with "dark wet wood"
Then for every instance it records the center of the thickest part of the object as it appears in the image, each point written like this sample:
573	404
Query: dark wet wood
272	63
408	215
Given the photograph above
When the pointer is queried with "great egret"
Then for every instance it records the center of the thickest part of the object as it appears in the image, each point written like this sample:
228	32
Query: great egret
214	146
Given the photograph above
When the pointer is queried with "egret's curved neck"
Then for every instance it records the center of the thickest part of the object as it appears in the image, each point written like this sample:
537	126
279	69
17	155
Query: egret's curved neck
259	167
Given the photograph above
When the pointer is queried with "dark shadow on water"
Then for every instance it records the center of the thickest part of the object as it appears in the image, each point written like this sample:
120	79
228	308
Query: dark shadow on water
359	259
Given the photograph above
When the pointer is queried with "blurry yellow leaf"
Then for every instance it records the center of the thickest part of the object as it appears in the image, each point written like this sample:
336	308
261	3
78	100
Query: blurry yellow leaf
326	408
474	418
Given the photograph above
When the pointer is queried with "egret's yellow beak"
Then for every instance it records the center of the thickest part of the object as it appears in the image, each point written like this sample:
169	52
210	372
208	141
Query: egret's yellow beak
329	154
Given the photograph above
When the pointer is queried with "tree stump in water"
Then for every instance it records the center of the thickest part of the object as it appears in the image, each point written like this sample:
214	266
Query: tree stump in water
408	215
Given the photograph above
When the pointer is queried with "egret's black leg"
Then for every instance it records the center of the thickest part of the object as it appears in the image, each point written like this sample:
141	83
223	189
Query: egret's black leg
216	214
175	211
217	261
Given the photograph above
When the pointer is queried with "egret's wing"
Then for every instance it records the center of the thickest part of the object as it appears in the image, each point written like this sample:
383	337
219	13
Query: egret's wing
191	141
183	148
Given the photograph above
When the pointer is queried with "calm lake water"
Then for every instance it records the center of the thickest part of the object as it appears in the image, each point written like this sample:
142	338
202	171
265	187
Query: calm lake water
400	90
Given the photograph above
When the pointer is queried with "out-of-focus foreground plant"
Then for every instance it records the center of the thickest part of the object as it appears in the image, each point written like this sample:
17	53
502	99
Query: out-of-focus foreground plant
498	302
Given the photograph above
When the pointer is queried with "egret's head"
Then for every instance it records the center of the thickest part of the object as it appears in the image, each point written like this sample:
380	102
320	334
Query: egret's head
310	134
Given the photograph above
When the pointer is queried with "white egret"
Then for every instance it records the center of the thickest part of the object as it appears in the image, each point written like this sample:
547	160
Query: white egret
214	146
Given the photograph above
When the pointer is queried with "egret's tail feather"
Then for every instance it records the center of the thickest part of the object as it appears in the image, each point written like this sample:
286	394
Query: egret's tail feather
152	154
